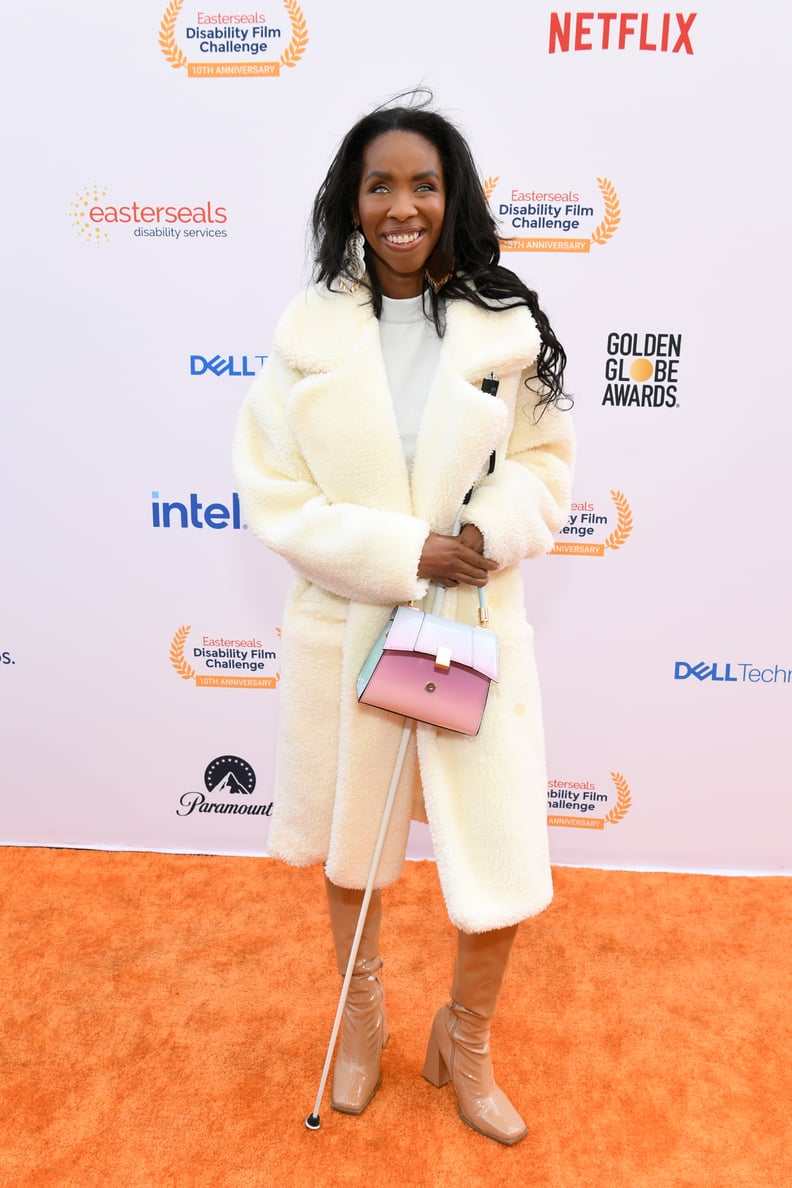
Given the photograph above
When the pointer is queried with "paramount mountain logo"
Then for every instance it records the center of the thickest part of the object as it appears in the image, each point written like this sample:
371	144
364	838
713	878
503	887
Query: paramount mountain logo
232	44
228	780
230	774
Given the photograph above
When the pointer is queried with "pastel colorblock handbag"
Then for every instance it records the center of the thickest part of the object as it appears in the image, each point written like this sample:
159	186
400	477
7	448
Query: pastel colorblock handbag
432	669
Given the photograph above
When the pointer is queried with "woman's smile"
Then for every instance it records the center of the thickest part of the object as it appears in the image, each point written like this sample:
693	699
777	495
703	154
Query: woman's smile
400	239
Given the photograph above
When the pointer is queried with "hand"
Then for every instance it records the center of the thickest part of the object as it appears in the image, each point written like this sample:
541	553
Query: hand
451	560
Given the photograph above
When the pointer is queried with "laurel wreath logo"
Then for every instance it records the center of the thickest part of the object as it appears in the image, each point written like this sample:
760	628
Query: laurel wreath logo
296	47
624	522
489	185
612	218
623	799
606	229
167	37
177	654
290	56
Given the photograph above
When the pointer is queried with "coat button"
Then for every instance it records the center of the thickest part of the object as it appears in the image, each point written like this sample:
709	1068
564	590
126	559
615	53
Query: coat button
430	688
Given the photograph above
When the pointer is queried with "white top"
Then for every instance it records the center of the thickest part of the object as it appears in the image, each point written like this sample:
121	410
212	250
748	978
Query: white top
410	348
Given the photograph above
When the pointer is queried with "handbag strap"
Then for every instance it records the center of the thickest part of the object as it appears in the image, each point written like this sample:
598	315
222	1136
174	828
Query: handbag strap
490	385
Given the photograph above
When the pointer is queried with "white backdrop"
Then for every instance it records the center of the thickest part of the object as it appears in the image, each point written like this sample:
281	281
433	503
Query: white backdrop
157	188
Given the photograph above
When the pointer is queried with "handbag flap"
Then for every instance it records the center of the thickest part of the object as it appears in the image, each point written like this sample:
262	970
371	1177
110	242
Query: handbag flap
415	631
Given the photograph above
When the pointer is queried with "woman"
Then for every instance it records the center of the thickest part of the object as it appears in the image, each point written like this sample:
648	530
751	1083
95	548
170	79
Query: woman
354	451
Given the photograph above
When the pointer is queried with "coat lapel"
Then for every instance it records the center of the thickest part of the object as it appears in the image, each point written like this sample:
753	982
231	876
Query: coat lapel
343	402
462	425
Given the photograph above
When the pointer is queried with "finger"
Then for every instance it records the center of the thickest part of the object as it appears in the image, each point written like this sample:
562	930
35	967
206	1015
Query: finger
474	568
471	557
475	577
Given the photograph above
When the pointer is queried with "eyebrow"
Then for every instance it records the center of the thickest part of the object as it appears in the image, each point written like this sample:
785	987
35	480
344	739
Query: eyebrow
415	177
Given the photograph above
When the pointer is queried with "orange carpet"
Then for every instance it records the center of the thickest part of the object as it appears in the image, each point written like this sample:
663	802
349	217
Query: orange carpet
164	1020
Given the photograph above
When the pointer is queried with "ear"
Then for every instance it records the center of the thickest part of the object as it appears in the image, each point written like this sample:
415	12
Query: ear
355	216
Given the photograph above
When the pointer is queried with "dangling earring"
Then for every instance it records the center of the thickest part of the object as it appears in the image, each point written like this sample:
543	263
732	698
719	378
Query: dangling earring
437	282
353	264
439	270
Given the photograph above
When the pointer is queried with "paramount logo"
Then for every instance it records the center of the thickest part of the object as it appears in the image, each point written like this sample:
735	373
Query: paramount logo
229	777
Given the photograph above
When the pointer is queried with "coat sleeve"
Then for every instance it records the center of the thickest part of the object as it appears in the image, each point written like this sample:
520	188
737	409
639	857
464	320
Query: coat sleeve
525	501
361	553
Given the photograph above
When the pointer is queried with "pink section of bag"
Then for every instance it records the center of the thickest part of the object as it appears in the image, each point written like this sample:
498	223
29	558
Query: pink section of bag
411	684
414	631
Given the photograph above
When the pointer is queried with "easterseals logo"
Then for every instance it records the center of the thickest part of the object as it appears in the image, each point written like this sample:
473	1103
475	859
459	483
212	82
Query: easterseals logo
94	220
229	781
585	523
728	673
216	661
662	33
582	804
230	365
642	370
191	512
232	44
570	215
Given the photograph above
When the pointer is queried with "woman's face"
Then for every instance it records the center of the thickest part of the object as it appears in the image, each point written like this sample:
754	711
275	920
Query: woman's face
400	208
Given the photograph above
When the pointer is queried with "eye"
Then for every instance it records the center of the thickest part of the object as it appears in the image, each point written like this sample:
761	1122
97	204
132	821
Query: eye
426	186
379	188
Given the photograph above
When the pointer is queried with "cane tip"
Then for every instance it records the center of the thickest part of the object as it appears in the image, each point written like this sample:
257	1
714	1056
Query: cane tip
313	1122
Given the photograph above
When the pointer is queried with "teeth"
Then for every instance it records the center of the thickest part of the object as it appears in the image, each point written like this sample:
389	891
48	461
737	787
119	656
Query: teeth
409	238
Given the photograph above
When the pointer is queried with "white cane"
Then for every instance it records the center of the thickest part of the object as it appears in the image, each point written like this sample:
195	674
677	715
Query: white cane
313	1121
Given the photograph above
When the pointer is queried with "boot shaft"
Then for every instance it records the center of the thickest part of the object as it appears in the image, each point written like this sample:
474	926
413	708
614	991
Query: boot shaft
344	904
481	961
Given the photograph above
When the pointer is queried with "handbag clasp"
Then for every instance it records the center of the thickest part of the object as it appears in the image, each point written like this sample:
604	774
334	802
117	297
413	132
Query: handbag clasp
443	659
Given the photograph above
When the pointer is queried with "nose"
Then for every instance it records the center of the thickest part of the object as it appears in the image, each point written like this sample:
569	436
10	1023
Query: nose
402	205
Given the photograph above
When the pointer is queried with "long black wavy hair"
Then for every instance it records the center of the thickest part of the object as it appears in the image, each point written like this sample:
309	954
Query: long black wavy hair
469	235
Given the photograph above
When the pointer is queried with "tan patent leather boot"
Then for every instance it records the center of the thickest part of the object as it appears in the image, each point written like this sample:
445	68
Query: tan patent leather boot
364	1030
459	1048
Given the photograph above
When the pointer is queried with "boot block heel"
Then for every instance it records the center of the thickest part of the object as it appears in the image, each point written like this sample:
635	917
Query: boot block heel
435	1068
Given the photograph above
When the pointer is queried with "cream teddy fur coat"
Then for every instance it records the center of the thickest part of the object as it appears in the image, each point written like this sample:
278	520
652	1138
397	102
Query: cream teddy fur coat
323	481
